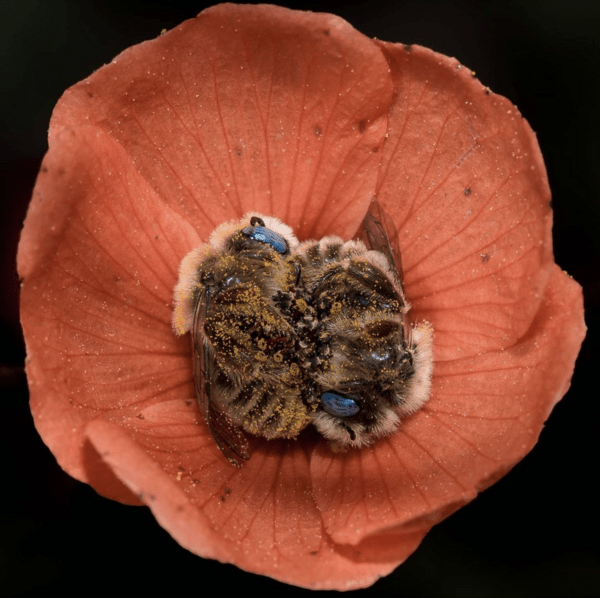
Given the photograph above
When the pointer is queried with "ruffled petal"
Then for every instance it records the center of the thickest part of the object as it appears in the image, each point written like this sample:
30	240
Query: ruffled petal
139	154
464	180
486	413
98	256
136	175
497	371
147	480
260	526
247	108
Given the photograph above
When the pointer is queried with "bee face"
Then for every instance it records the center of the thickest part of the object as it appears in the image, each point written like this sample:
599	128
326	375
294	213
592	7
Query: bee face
244	350
378	367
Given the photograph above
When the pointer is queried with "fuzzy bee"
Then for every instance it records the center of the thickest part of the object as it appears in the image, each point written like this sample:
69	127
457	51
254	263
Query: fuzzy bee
287	334
246	349
376	367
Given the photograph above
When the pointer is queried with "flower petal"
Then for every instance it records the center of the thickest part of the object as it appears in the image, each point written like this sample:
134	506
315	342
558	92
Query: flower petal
283	112
262	528
99	256
464	180
266	504
497	321
147	480
110	221
247	108
485	414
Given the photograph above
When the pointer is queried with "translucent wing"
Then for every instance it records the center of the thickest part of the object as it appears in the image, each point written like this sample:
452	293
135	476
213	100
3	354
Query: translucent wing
380	234
229	438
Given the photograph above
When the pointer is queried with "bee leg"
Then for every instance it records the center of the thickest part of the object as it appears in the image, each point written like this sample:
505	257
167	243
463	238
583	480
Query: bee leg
350	433
298	274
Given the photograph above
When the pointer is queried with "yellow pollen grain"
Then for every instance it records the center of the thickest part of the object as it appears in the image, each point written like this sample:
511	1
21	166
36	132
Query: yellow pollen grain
301	305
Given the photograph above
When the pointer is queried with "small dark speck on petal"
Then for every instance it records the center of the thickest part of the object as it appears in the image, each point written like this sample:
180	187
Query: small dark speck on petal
180	508
227	490
362	126
152	496
407	47
189	403
375	150
318	130
90	94
313	552
238	153
327	32
468	191
140	416
487	91
117	280
484	257
44	169
156	237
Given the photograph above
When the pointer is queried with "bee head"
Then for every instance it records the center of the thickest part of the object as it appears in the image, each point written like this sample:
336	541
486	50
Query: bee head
348	420
271	233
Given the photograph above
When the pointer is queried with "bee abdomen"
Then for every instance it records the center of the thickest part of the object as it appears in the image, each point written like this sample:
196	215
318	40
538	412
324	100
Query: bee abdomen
261	410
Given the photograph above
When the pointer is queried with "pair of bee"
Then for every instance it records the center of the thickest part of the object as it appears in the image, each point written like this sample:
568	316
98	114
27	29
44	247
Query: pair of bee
287	334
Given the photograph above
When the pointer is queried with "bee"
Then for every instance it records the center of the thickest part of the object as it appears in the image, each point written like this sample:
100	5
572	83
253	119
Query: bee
237	298
373	367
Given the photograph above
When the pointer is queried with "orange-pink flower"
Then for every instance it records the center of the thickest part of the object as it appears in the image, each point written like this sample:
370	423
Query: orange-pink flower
300	116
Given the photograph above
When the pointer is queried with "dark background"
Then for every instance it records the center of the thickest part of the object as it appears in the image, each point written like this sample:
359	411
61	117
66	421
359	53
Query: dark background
536	531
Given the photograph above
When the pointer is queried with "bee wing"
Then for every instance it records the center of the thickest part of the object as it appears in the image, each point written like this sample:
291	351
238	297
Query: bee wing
229	438
376	225
380	234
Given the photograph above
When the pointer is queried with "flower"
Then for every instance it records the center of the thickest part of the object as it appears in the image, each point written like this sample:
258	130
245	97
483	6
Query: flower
300	116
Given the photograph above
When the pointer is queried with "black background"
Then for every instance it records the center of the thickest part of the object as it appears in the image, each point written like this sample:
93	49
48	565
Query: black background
536	531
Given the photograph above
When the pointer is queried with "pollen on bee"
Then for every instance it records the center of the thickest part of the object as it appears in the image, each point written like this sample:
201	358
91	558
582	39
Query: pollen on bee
277	324
336	308
301	305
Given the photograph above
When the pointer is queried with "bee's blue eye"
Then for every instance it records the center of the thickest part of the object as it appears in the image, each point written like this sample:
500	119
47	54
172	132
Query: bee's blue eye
339	405
266	235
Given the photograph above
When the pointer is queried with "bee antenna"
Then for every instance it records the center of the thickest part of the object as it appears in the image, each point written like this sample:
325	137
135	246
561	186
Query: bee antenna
350	432
408	333
255	220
